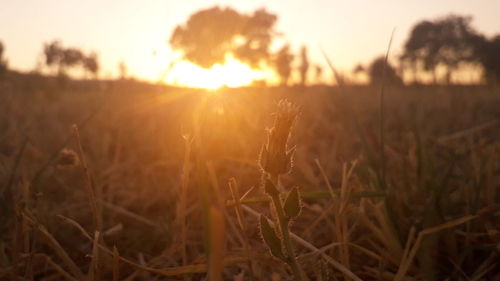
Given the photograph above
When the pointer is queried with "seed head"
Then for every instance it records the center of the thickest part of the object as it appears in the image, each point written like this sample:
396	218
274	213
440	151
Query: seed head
67	158
275	158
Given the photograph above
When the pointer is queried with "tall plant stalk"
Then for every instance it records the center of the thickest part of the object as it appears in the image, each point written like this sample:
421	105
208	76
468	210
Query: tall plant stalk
275	160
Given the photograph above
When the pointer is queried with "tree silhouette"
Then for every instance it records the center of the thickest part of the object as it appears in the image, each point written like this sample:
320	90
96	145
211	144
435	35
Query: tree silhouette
488	52
91	64
304	65
71	57
447	42
376	73
56	56
212	33
122	69
3	62
283	60
258	33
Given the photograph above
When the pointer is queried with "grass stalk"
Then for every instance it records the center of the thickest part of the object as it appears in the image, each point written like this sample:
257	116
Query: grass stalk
93	200
284	229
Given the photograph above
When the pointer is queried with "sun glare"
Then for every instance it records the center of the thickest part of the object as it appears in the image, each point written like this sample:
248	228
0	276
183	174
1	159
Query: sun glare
232	73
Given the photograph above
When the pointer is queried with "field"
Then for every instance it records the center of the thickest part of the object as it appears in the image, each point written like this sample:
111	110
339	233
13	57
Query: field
123	180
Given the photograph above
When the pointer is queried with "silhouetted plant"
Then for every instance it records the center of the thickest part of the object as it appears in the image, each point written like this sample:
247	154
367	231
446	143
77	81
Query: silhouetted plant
359	69
3	62
283	64
276	160
318	73
376	73
304	65
122	68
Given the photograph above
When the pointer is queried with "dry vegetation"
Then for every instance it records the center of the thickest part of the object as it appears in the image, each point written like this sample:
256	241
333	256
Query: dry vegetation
126	181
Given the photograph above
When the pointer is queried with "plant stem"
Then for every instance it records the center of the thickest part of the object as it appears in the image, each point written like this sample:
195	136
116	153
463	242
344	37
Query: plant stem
285	232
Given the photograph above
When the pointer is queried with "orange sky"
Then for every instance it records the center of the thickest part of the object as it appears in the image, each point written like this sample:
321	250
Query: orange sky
132	30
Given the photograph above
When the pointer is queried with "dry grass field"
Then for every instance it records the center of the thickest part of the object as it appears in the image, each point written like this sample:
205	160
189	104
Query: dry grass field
123	180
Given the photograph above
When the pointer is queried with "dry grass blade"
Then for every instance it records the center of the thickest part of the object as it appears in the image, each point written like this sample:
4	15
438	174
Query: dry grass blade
488	265
181	208
173	271
237	204
57	268
217	244
13	171
58	249
385	275
383	231
325	178
311	195
346	192
93	273
340	206
125	212
96	214
113	230
382	111
337	75
311	247
406	262
468	132
116	264
241	221
409	241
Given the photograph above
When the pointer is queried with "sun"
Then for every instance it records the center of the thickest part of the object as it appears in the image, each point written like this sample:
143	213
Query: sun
232	73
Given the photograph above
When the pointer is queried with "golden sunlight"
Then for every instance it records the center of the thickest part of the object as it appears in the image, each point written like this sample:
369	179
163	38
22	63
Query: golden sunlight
232	73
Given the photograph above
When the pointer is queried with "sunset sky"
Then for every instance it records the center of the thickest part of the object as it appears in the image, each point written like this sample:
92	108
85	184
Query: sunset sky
132	31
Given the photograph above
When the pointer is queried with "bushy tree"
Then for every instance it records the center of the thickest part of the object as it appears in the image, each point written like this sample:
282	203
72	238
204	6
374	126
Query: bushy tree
56	56
258	33
91	64
382	72
488	53
446	42
71	57
212	33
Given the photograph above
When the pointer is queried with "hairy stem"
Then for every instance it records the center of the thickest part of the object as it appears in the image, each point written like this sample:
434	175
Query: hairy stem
285	232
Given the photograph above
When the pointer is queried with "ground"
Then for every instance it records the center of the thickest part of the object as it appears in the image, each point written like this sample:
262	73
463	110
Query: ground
145	164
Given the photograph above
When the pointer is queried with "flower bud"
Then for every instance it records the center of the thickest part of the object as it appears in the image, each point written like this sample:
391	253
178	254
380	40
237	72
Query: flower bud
275	158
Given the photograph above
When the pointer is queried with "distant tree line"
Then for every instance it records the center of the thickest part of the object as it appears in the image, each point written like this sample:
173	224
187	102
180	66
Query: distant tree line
444	45
61	59
449	43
